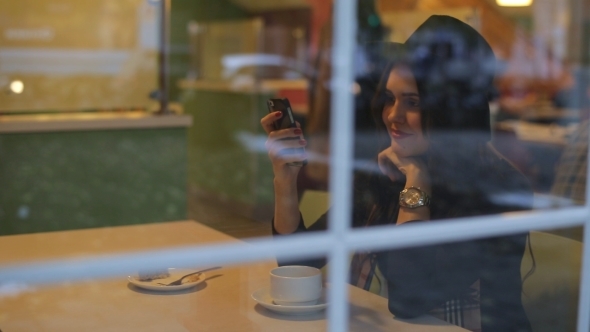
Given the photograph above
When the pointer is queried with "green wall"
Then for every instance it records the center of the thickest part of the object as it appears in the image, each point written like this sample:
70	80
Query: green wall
71	180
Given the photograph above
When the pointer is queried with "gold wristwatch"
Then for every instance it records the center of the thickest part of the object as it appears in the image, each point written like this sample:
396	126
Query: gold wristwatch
413	197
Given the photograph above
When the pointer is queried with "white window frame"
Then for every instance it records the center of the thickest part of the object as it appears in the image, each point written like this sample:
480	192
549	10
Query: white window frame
339	241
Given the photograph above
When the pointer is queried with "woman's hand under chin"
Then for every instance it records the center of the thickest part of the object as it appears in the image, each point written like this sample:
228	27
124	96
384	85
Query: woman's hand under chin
396	167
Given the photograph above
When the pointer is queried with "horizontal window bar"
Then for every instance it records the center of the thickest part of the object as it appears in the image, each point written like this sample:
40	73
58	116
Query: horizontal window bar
308	245
291	247
426	233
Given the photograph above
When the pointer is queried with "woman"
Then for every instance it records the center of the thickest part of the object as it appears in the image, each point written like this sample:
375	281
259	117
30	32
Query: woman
432	105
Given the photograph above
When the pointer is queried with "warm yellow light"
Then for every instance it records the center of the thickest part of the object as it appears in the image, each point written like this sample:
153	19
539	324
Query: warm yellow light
17	87
514	3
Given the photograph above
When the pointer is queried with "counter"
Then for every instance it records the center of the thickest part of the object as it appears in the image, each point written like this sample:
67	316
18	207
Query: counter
85	170
58	122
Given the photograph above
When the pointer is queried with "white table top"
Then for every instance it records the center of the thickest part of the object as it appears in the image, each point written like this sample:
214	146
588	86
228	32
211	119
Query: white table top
222	303
538	133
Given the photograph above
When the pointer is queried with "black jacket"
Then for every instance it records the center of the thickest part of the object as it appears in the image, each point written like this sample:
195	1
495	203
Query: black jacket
421	279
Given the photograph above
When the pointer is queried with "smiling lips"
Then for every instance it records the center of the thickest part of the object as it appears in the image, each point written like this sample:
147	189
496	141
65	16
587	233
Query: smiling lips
398	134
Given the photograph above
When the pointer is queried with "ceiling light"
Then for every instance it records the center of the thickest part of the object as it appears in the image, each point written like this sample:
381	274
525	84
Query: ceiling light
514	3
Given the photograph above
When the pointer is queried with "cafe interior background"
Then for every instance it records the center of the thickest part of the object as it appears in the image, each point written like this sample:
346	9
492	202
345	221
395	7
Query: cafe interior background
99	129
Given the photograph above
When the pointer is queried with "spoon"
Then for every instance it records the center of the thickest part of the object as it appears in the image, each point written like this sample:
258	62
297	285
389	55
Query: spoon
179	281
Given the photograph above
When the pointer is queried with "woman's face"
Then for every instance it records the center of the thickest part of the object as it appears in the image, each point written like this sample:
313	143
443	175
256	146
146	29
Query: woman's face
401	114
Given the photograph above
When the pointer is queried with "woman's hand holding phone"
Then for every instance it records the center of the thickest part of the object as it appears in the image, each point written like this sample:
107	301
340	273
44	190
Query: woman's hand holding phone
284	148
285	151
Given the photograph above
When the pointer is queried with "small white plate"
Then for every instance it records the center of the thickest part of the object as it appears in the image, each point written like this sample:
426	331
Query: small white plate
262	296
175	274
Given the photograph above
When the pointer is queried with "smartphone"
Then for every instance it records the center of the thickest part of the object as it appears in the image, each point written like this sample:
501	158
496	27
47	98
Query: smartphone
286	121
283	106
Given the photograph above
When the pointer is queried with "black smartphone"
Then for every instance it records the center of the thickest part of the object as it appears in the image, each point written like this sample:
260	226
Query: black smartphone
283	106
286	121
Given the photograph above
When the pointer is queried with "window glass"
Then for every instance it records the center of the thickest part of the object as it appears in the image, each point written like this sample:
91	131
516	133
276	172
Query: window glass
138	136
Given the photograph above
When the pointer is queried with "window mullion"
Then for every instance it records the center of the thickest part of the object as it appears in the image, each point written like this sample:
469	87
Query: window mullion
584	301
341	139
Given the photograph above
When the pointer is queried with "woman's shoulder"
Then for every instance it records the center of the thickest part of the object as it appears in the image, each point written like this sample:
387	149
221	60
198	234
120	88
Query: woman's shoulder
489	184
500	167
503	182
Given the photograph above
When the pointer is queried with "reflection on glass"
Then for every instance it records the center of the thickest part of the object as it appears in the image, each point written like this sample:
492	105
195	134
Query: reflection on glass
473	111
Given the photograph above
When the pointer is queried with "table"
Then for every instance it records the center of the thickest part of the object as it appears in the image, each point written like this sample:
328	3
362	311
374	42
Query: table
221	303
539	133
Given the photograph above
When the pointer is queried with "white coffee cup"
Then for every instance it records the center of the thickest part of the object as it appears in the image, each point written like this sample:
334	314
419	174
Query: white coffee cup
295	285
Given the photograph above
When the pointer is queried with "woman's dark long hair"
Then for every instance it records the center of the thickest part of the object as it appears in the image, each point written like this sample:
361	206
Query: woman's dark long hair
454	70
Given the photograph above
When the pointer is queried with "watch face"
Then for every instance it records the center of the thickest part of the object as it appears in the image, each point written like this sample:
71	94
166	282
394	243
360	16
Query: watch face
412	197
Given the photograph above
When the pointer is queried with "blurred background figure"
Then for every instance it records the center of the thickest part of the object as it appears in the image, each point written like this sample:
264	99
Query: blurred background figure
570	178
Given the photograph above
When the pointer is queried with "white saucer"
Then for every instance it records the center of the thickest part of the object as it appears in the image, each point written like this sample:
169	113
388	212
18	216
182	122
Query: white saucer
175	274
262	296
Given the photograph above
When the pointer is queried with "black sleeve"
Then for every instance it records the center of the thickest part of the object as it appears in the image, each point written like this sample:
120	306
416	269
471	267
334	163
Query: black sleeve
362	201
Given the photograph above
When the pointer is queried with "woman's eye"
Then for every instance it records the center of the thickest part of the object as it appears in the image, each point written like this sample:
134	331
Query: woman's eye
388	100
412	103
